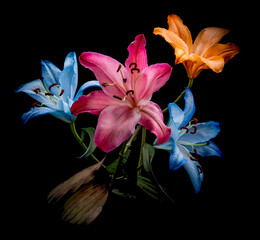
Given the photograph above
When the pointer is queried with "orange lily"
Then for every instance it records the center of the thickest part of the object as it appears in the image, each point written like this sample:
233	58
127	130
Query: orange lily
204	53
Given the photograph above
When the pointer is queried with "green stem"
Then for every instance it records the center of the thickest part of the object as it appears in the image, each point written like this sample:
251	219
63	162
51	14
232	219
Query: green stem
81	143
182	94
122	153
140	163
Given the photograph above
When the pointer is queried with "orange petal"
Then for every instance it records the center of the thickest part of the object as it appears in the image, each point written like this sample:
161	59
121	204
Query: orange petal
181	48
207	38
227	51
176	25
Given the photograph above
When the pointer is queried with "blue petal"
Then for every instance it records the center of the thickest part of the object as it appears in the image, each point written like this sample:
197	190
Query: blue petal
176	115
204	132
69	76
35	112
195	175
164	146
189	109
176	157
209	150
68	118
85	86
29	89
50	73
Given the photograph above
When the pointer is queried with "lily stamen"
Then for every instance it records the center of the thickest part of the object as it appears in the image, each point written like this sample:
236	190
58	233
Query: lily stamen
37	90
194	131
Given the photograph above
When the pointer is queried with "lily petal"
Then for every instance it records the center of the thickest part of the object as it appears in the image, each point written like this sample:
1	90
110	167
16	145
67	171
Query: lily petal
137	55
196	177
94	103
181	48
115	125
189	109
207	38
176	157
209	150
29	89
176	25
85	86
69	76
105	69
151	80
35	112
152	119
50	73
204	132
176	115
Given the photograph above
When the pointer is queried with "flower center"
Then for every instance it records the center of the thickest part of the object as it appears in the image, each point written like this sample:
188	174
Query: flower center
192	129
128	93
49	94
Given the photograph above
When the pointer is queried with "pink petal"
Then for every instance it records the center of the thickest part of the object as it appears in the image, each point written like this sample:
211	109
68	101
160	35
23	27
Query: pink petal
152	119
137	53
94	103
115	125
106	71
151	80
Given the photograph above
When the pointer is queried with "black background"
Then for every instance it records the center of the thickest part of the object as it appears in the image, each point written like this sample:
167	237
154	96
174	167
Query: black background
42	153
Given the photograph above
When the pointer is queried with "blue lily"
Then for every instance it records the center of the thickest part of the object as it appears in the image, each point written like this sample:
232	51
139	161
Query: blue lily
55	93
189	140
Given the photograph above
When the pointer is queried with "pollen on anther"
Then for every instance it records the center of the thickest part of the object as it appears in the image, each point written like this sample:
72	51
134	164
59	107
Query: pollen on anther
187	130
194	131
37	90
54	84
105	84
61	92
200	169
130	91
49	94
119	67
116	97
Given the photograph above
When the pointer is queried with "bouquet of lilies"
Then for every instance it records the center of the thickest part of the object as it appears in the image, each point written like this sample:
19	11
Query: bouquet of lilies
125	112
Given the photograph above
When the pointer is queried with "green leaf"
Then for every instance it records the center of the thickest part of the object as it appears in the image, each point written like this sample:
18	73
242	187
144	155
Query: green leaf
148	154
147	186
111	168
92	146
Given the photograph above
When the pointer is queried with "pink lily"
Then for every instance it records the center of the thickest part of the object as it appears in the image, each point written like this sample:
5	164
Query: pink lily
125	99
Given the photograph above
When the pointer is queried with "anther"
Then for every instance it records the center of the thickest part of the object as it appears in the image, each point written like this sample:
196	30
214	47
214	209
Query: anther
200	169
187	130
54	84
133	64
195	120
124	80
117	97
61	92
135	69
195	130
130	91
37	90
48	94
119	67
105	84
34	104
194	159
